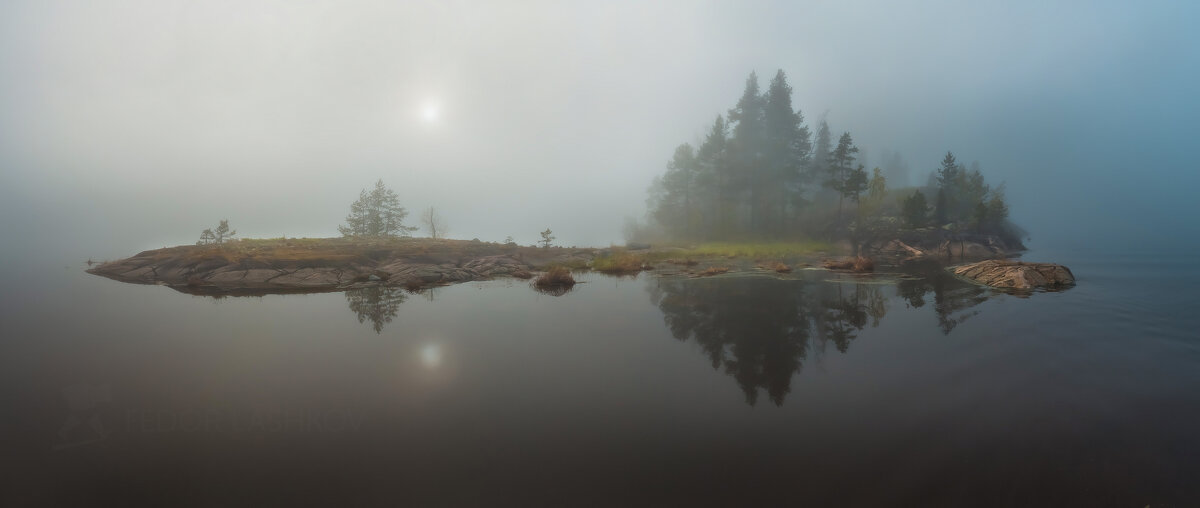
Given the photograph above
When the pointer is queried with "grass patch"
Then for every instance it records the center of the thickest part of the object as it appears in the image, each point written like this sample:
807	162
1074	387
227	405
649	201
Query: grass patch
619	262
572	264
761	250
333	251
683	262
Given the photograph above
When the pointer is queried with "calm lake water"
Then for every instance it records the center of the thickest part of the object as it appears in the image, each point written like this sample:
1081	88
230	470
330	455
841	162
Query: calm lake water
816	390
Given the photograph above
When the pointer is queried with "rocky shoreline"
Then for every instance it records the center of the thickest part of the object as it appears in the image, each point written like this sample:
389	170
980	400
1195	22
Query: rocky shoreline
329	266
261	275
258	267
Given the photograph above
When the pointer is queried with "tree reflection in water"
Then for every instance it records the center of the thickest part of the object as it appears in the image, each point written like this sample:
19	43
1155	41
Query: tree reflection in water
760	330
379	304
757	329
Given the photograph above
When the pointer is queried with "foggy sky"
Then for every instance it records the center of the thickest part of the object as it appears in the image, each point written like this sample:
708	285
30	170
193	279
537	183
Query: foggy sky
134	125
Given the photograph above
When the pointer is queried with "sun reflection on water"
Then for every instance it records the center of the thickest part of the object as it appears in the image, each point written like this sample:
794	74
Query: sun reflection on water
431	355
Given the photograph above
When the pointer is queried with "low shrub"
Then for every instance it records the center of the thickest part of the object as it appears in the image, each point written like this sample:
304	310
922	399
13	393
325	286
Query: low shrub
556	276
714	270
863	264
858	264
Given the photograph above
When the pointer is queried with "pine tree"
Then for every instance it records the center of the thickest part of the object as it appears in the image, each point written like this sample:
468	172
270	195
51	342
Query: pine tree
856	182
377	214
843	177
679	181
915	210
713	161
216	236
223	232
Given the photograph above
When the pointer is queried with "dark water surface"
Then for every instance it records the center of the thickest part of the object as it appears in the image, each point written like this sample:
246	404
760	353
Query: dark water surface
817	390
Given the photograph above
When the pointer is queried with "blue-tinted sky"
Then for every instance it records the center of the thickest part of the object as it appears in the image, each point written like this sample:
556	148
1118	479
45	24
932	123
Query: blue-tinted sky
129	125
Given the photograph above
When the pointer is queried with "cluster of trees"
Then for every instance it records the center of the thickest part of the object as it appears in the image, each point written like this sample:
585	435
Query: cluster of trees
963	198
218	235
760	171
378	214
748	174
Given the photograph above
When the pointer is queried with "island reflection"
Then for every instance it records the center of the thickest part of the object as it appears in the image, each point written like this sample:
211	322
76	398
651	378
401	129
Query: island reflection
379	304
758	329
761	330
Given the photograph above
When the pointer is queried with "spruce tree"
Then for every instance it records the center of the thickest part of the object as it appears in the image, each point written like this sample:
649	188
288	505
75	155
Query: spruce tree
947	174
788	146
746	145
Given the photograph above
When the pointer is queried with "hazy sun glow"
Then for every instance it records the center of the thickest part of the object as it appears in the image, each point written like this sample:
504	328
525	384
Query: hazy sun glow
429	112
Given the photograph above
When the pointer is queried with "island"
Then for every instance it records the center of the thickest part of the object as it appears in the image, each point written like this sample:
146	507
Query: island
760	192
287	265
330	264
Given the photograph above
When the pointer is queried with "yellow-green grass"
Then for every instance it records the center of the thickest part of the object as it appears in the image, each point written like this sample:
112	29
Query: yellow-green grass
326	249
619	262
763	250
572	264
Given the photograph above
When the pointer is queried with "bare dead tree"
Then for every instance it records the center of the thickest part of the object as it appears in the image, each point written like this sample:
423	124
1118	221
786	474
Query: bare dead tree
434	222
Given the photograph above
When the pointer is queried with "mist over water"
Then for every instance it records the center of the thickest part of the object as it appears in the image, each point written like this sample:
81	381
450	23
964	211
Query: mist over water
133	125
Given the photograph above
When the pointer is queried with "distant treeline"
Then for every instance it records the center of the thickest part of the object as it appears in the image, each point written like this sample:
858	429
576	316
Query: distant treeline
760	172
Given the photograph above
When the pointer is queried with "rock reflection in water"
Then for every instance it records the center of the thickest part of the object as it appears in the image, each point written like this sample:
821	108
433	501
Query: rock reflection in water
952	297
